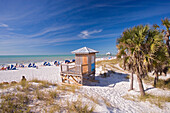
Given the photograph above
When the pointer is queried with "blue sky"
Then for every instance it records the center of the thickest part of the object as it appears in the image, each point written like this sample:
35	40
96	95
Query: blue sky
42	27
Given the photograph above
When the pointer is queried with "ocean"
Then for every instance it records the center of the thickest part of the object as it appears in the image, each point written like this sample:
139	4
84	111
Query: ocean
9	59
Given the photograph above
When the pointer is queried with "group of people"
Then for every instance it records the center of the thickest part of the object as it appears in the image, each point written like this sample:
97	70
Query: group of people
56	63
32	65
12	67
46	64
9	67
68	61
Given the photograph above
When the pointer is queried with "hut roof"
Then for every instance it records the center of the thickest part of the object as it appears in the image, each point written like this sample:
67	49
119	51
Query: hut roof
84	50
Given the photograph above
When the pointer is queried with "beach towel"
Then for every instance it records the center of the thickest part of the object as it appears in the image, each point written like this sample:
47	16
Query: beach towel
55	62
34	66
48	64
45	63
12	67
29	65
58	63
8	68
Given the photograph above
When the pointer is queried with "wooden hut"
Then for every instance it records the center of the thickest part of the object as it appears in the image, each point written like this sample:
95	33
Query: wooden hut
82	70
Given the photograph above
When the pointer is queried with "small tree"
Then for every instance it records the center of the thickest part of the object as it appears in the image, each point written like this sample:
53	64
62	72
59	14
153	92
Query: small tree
139	47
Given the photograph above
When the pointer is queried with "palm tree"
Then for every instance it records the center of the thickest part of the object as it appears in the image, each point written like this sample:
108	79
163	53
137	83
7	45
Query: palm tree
166	23
139	44
132	39
123	51
155	26
157	53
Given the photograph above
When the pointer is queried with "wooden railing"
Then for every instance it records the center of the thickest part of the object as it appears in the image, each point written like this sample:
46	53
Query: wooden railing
74	69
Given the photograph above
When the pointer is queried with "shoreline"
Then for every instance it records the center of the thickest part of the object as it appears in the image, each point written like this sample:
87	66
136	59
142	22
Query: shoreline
13	59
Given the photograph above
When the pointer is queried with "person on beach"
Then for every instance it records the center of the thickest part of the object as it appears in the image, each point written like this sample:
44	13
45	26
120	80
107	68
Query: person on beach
8	67
23	78
3	68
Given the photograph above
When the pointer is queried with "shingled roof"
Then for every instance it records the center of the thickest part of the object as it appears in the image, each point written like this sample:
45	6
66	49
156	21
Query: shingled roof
84	50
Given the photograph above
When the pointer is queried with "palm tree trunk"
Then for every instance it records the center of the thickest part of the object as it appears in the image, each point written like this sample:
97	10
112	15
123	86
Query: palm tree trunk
156	79
131	82
140	85
167	41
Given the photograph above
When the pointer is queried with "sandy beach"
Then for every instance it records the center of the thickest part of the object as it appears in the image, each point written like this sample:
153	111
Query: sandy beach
112	88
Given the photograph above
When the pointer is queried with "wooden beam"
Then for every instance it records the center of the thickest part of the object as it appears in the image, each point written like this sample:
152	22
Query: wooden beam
73	81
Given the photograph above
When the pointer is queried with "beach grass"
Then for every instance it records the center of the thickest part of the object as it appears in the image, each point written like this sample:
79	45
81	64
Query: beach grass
13	103
160	84
43	82
92	98
29	97
101	62
108	64
78	106
68	88
153	99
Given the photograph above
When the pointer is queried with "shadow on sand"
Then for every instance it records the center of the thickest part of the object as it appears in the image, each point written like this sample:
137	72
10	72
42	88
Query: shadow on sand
110	79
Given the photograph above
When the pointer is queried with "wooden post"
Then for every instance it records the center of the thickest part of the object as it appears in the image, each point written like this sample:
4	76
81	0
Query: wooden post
68	79
81	67
61	67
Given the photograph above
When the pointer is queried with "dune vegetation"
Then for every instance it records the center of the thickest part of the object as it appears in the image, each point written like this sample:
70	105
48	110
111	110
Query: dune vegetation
145	49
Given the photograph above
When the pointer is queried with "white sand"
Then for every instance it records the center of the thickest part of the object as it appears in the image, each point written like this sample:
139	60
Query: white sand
111	88
50	73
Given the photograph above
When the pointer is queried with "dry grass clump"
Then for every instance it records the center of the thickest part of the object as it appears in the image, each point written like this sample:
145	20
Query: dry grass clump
55	108
129	97
43	83
25	86
92	98
113	61
160	84
157	100
78	106
29	97
6	85
41	95
14	103
68	88
107	102
108	64
97	100
163	84
53	94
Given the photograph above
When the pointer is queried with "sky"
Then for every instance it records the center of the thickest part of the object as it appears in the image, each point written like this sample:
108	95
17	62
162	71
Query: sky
51	27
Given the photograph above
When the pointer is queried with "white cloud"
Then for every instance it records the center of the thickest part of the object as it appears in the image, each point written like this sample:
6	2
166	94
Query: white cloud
3	25
85	34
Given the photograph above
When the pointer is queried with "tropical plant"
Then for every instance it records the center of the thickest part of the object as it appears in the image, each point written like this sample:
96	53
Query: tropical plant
166	23
140	46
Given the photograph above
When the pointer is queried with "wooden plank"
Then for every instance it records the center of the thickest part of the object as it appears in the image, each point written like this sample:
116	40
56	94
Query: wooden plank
70	84
74	74
72	81
63	78
85	61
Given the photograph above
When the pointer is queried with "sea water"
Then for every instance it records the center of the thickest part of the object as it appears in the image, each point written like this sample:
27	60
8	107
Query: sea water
9	59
